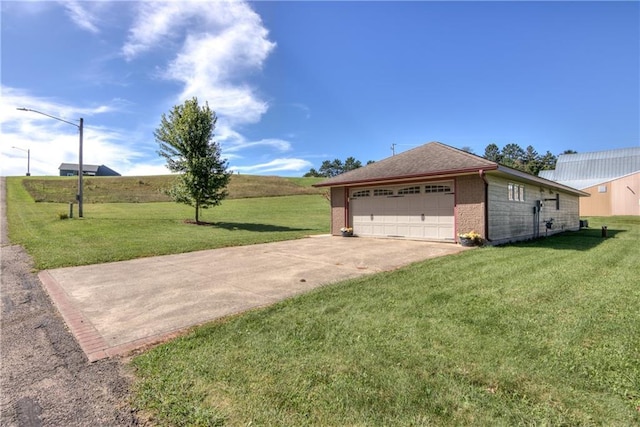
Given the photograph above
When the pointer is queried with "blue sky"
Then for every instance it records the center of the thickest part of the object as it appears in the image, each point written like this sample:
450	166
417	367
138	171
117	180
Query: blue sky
296	83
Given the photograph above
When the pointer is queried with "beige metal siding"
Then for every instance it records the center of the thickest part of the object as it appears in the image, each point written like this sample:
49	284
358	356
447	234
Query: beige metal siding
626	195
617	197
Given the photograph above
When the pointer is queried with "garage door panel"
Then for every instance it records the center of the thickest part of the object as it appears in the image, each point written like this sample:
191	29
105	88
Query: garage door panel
422	216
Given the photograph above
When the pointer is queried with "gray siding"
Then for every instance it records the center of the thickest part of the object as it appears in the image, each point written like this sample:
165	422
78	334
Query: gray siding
511	220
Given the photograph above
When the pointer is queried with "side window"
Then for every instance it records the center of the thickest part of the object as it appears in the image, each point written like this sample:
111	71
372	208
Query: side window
515	192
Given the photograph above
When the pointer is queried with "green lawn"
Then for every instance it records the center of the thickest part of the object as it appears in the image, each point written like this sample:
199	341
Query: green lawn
537	333
120	231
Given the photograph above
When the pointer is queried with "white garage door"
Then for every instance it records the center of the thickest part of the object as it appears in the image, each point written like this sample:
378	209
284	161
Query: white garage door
419	211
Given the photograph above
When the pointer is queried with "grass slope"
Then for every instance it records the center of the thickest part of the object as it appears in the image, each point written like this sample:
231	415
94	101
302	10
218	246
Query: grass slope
144	189
119	231
538	333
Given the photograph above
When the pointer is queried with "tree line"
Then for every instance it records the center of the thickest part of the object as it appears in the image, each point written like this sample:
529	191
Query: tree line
526	160
511	155
335	167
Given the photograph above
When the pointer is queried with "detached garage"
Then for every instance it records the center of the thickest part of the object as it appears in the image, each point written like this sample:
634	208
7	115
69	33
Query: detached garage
436	192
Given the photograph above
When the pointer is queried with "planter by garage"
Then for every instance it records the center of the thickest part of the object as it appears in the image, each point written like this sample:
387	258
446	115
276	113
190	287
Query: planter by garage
464	241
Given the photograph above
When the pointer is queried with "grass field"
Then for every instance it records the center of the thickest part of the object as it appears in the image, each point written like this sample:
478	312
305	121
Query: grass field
120	231
538	333
144	189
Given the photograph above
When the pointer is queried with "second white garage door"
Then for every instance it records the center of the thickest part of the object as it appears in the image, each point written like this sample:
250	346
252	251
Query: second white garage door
419	211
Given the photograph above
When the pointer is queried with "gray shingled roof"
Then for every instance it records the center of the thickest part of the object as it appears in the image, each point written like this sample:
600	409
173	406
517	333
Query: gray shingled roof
430	159
583	170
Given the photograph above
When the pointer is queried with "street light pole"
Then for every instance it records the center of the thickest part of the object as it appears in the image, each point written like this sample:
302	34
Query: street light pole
80	168
28	151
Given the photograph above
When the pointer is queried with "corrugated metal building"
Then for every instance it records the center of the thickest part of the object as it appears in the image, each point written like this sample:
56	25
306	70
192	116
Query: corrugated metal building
612	178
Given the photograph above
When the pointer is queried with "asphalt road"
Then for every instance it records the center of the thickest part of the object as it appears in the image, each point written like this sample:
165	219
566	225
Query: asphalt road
45	378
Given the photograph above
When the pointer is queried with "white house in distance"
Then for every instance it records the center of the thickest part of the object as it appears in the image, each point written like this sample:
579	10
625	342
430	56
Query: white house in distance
437	192
611	177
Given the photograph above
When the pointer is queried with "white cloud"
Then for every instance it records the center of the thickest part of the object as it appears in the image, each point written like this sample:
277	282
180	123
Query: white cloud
82	17
218	44
52	142
278	144
277	165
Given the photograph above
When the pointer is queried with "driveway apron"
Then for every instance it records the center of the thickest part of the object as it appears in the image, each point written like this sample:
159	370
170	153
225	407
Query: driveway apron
115	308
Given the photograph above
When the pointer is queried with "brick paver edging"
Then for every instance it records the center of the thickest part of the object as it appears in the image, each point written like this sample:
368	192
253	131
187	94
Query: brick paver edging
94	346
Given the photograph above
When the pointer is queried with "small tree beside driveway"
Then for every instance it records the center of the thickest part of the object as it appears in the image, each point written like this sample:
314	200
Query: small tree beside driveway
186	142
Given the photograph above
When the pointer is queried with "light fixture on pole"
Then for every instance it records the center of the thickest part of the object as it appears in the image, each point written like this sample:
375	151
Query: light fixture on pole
28	151
80	168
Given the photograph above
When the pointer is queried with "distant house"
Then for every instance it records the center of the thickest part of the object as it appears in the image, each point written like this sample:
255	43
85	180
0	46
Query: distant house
611	177
71	169
437	192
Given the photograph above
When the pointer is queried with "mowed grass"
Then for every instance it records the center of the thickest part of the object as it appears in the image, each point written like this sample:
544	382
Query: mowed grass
537	333
119	231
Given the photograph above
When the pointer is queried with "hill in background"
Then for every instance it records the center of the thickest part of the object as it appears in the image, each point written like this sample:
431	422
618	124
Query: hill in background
145	189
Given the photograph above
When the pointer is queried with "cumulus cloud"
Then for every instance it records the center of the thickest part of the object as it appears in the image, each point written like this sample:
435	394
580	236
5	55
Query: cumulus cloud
217	45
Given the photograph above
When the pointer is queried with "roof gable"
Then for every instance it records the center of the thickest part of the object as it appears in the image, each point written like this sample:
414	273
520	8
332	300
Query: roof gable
430	159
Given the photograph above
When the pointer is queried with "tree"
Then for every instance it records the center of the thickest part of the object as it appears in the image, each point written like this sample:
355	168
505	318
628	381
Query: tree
186	142
492	152
548	161
512	156
350	164
312	173
531	161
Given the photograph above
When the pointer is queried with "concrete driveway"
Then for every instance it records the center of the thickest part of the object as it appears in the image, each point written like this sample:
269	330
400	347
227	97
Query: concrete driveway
118	307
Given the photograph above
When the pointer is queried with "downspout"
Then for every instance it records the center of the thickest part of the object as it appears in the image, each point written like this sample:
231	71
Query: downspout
346	207
486	204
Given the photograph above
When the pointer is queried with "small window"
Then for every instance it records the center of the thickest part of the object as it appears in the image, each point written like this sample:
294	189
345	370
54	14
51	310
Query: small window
515	192
361	193
602	189
409	190
436	188
382	192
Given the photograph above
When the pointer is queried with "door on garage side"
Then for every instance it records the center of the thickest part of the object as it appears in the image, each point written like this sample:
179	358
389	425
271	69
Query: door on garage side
419	211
